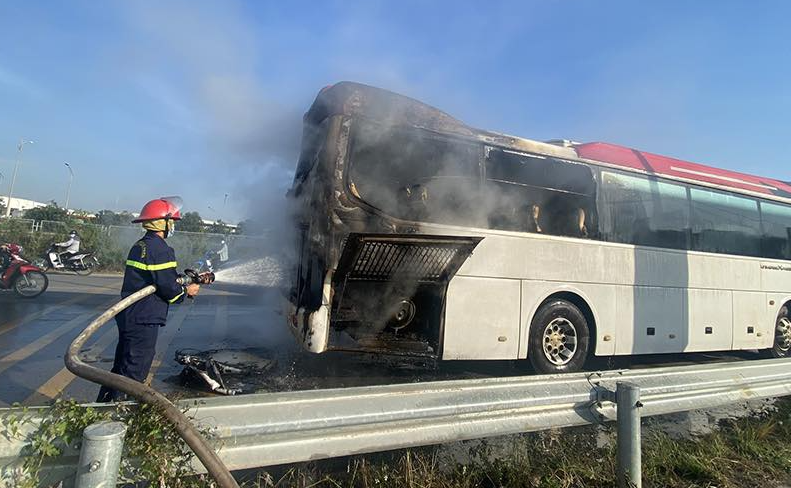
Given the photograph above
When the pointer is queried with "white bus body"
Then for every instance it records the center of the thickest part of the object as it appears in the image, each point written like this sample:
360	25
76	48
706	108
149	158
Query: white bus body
693	301
635	299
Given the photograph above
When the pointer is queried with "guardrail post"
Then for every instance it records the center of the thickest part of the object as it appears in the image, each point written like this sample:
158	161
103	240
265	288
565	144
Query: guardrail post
627	399
100	455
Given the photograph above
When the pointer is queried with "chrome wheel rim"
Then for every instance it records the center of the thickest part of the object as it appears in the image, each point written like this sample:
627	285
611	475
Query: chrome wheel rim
31	286
783	334
560	341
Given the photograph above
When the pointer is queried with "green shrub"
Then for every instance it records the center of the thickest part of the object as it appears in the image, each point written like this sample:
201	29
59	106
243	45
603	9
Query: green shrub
110	243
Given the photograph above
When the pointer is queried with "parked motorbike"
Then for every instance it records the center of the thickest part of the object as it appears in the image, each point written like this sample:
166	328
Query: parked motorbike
26	279
82	263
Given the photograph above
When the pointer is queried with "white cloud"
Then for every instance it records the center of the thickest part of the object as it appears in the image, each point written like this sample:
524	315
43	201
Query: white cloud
19	83
198	61
178	110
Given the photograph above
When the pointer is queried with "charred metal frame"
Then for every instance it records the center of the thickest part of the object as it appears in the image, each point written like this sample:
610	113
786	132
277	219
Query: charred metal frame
396	279
422	258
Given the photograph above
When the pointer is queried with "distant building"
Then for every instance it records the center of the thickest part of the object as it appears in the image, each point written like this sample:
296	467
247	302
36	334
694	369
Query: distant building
208	223
19	205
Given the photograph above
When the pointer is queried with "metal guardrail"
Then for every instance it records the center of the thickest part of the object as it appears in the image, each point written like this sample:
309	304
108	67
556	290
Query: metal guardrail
276	428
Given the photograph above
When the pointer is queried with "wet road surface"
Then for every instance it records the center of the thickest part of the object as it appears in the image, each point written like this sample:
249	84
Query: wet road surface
241	318
34	334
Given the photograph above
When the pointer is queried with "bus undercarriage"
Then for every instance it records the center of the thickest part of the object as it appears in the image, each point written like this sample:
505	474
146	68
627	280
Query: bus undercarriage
386	295
389	292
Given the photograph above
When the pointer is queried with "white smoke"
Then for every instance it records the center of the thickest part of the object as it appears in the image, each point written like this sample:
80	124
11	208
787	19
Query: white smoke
200	63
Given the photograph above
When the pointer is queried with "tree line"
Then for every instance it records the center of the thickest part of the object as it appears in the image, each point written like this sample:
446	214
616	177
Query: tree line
190	221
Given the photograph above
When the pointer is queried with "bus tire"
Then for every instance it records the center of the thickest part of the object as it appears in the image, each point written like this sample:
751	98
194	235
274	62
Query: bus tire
559	338
782	345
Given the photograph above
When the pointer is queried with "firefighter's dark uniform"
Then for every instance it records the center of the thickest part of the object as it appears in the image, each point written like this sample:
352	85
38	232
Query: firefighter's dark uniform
151	262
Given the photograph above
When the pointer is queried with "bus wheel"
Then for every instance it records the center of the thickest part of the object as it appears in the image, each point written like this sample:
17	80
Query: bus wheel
559	338
782	345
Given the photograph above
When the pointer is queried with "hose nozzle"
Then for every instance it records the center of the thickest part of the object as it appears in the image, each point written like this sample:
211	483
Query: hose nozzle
193	277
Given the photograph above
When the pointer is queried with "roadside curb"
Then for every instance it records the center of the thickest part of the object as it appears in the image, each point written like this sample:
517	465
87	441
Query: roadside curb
100	275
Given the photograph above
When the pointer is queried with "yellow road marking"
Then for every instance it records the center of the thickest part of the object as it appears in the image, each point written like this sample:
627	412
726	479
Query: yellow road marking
36	315
63	378
164	340
10	325
47	339
51	388
220	329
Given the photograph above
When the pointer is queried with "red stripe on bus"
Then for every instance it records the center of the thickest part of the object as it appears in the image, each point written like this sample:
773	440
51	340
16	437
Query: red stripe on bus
663	165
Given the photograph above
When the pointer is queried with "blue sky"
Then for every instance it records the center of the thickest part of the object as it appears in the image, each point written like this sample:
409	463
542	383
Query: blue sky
202	98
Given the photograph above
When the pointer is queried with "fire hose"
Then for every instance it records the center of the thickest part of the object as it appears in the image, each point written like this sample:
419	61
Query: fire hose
205	453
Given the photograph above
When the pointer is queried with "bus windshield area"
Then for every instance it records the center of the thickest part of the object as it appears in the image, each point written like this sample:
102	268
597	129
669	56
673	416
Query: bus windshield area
415	175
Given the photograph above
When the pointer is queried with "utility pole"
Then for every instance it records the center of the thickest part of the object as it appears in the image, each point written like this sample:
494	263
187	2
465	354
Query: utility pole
22	143
68	189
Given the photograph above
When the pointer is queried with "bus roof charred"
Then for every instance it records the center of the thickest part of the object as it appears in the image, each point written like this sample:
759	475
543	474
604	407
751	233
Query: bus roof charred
359	100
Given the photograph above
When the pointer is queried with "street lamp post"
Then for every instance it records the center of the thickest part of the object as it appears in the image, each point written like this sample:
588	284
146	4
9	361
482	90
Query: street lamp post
68	188
22	143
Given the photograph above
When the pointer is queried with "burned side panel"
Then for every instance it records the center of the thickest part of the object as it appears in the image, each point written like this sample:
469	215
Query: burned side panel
390	292
306	306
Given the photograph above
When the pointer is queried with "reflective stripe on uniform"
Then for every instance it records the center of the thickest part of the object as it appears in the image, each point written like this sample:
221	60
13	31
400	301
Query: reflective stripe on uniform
173	300
150	267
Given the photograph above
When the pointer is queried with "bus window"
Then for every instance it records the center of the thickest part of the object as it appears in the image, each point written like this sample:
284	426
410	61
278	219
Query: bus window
413	175
725	223
538	194
776	220
638	210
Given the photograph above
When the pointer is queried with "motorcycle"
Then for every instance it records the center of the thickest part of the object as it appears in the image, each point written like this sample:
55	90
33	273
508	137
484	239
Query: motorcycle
205	264
82	263
26	279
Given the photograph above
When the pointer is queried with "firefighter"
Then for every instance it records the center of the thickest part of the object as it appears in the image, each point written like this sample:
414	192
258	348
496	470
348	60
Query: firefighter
150	262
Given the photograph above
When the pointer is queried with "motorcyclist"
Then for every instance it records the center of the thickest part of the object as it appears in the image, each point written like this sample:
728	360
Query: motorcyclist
5	257
222	254
213	258
70	248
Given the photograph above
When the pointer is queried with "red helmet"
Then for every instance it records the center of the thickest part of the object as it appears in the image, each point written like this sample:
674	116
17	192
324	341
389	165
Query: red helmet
14	248
161	208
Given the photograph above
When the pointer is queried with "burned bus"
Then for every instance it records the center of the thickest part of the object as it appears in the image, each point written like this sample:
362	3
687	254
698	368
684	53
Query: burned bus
418	235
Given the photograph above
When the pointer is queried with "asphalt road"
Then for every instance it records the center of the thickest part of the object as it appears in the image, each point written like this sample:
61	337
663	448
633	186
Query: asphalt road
34	334
242	321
